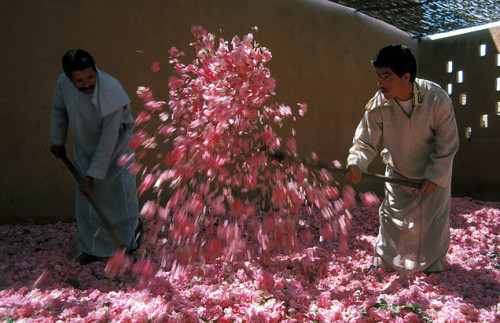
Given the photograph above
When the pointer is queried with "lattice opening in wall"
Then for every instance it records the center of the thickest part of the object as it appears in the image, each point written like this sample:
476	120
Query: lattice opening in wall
484	121
449	67
482	50
463	98
468	132
498	83
450	88
498	108
460	76
498	59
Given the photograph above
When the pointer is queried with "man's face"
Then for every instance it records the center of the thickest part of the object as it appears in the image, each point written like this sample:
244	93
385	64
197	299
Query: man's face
393	86
84	80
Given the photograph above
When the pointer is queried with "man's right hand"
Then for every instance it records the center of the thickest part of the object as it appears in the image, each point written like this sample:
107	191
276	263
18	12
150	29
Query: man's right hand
353	174
87	186
58	151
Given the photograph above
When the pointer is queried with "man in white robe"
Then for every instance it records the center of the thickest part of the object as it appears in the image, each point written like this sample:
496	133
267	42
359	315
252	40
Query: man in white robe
97	110
416	122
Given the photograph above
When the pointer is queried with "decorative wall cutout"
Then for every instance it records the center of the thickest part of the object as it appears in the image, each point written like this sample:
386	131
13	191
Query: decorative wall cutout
482	50
463	98
449	67
484	121
468	132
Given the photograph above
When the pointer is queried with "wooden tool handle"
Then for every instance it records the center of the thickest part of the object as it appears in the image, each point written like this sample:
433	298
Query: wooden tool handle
405	182
90	197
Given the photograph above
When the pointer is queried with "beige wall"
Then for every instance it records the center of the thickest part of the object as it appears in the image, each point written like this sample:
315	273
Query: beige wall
321	54
476	167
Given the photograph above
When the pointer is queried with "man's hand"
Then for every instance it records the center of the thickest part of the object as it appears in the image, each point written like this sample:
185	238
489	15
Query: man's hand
87	186
427	187
58	151
353	174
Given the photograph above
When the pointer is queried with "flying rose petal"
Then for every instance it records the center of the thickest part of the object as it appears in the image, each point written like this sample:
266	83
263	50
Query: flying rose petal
155	67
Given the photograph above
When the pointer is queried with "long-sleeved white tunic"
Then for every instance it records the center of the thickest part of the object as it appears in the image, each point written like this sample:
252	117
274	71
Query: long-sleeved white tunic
414	229
101	124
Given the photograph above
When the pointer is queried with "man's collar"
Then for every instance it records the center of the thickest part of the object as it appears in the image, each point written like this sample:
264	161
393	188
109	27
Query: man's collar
417	98
95	93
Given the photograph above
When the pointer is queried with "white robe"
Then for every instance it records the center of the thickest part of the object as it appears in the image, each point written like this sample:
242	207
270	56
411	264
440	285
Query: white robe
414	229
102	125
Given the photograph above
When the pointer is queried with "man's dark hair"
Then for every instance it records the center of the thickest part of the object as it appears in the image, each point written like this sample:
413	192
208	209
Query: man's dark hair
399	58
77	60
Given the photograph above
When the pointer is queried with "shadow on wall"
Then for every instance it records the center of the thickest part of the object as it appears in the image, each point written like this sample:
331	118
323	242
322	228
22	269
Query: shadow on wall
468	67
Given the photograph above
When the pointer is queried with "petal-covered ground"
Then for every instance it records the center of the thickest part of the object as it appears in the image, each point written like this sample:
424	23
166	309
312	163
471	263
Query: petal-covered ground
40	283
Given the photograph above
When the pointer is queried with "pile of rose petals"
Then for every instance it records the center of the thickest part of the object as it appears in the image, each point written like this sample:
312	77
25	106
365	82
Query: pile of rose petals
39	282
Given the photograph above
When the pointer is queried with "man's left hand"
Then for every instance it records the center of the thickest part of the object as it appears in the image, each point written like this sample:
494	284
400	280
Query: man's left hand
427	187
